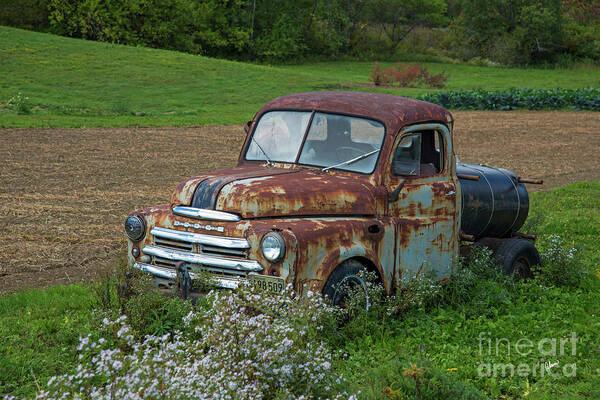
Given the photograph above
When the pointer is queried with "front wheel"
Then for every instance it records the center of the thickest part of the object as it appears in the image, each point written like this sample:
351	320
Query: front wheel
517	257
345	281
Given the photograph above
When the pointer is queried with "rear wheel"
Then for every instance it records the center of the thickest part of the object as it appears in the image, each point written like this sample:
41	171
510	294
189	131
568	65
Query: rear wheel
344	281
517	257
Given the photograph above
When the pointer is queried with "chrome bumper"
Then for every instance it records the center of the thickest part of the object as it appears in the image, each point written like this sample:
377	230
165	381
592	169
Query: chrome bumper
171	274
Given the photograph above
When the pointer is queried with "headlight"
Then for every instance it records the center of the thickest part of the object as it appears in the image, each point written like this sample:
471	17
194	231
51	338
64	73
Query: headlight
273	246
135	227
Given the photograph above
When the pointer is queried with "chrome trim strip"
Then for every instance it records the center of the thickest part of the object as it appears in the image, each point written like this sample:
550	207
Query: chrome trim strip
166	273
196	258
157	271
198	238
202	213
227	283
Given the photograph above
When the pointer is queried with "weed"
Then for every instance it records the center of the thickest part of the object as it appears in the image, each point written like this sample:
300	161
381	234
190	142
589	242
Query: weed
121	108
113	290
561	265
20	103
415	374
156	314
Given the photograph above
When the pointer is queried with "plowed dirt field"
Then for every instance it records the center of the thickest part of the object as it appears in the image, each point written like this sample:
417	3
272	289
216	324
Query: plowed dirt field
64	193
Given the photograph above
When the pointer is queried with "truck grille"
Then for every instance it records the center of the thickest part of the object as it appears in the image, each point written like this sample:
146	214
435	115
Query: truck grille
173	244
216	254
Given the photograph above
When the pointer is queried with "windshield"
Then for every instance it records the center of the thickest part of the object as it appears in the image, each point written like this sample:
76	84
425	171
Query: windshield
338	141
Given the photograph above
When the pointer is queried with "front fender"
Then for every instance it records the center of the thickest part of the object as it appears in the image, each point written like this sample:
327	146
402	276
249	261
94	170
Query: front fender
324	243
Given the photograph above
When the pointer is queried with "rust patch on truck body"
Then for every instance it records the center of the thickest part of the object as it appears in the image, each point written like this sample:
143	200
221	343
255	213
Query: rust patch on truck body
324	217
306	193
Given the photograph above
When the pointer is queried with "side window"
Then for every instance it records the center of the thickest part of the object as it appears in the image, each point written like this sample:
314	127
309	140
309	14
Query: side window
407	156
419	154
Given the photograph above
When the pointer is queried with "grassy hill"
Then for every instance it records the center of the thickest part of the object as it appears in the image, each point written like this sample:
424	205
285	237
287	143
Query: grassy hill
70	82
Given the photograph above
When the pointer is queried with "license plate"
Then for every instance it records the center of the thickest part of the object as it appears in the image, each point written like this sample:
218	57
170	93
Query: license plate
271	284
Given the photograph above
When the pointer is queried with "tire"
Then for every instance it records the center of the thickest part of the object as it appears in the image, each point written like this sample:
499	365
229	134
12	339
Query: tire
344	276
517	257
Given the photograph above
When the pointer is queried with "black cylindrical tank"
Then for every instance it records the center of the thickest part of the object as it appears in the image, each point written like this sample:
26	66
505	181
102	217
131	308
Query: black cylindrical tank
494	206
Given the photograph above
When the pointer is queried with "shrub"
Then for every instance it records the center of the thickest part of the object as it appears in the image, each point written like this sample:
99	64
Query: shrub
407	75
377	75
437	81
239	344
26	14
388	74
504	49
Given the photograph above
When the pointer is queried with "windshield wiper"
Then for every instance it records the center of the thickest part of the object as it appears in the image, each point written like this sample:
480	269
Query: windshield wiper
351	161
269	162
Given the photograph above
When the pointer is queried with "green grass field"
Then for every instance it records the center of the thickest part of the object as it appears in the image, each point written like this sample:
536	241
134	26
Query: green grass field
40	328
75	83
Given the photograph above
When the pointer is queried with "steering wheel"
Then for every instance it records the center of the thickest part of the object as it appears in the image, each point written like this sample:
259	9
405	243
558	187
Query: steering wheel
345	153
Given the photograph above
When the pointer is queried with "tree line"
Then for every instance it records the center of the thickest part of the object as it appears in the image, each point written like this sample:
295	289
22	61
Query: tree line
502	31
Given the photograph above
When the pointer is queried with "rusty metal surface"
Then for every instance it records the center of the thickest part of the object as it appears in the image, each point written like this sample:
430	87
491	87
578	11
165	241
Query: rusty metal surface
494	206
395	112
426	215
305	192
328	217
315	246
184	192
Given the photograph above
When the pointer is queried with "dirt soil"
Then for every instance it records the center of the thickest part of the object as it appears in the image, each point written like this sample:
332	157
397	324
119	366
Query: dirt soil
65	193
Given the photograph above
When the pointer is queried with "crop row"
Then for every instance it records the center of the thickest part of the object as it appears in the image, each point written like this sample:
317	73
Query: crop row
512	99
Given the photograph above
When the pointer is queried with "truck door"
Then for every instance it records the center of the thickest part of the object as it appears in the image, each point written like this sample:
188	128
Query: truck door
423	202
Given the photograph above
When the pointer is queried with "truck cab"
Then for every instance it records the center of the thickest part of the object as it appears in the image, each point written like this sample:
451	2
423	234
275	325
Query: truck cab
329	184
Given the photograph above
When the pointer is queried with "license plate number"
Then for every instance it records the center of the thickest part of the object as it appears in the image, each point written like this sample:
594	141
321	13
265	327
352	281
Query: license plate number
271	284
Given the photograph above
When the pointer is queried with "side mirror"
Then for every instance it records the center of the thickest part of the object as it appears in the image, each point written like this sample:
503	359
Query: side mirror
247	126
394	194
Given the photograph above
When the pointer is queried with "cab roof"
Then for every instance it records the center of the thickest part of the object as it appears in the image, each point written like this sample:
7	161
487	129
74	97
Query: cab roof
394	111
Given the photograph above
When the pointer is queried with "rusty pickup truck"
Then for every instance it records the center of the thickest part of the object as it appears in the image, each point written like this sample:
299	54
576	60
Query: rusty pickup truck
329	184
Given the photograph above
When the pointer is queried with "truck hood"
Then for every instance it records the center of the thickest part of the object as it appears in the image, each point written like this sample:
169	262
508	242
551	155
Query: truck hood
277	192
